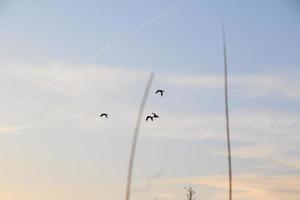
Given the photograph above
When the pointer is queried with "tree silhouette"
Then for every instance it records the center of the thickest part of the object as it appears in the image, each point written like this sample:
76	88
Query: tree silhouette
189	193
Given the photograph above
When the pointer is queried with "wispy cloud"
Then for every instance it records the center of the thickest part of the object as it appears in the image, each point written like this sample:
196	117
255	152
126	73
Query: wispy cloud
148	182
92	56
255	85
11	128
86	86
89	89
165	195
247	186
253	151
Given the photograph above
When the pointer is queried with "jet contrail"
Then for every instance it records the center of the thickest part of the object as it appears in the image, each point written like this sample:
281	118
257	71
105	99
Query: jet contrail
35	92
135	136
153	20
95	54
227	113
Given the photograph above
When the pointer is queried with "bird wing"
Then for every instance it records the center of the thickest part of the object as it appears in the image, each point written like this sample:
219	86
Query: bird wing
104	114
155	115
149	117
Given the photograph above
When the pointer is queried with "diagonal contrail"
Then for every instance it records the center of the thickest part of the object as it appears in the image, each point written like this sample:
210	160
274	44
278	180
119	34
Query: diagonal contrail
35	92
153	20
97	53
227	113
94	55
135	136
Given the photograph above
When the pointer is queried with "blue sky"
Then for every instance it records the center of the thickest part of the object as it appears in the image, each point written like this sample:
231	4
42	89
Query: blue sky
59	30
53	145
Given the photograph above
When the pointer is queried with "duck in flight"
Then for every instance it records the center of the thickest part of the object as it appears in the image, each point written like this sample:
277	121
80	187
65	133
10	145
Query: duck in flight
160	91
155	115
149	117
104	115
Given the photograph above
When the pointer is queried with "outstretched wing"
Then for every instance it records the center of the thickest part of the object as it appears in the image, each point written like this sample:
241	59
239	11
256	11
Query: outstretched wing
149	117
155	115
104	114
160	91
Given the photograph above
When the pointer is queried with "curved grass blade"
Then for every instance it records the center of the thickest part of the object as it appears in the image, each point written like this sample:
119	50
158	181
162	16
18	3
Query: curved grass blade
135	136
227	115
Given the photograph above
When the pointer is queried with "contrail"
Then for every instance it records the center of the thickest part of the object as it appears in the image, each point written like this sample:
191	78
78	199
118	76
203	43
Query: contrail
35	92
51	82
136	134
153	20
227	112
95	54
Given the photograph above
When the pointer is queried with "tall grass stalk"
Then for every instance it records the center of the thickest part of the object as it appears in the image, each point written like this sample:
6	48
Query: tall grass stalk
135	136
227	113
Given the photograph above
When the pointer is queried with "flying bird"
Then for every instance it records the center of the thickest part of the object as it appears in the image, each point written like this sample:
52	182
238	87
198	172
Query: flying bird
149	117
104	115
155	115
160	91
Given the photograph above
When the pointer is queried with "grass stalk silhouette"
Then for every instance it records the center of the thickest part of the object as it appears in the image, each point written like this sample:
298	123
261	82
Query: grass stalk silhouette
227	113
135	136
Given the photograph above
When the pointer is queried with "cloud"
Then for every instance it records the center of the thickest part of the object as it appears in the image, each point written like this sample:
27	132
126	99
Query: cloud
270	156
246	186
11	128
200	81
246	125
86	79
83	90
293	163
70	106
261	151
256	85
165	195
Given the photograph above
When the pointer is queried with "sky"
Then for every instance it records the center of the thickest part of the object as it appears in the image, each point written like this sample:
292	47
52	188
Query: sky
62	63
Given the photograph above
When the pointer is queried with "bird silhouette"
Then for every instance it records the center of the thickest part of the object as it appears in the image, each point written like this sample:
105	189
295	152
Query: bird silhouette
149	117
160	91
104	115
155	115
